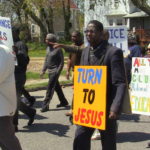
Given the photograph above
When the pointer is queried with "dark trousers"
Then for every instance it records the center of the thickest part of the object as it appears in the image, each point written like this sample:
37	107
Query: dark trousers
8	140
83	135
53	85
20	79
26	94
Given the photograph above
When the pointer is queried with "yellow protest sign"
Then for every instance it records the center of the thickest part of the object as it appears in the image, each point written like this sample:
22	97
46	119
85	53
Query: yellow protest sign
89	108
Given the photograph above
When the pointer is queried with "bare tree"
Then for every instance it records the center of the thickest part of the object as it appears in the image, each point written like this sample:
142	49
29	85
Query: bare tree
143	5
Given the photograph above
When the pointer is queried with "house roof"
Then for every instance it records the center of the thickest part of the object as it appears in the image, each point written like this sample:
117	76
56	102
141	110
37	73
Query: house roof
116	13
136	14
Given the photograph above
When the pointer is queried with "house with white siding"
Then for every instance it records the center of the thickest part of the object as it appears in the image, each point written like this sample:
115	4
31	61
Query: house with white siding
118	12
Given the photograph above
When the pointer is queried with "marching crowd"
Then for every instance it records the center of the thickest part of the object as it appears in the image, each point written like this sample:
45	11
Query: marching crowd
98	52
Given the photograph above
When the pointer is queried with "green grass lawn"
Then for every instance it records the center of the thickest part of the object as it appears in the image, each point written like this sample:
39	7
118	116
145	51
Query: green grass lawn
39	49
44	84
35	75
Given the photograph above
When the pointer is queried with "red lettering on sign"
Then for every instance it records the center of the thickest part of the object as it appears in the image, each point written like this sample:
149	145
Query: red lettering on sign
87	120
89	116
82	116
76	117
100	114
93	117
136	62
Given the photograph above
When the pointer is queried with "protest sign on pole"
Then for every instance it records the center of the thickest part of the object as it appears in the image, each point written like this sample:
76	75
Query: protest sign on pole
89	107
5	32
118	37
140	86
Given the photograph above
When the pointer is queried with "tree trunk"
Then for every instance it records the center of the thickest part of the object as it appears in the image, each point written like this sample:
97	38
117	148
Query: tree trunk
50	20
37	20
28	35
67	14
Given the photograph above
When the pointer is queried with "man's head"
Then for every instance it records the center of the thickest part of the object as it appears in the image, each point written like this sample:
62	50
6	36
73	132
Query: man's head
132	39
76	37
15	33
94	32
50	38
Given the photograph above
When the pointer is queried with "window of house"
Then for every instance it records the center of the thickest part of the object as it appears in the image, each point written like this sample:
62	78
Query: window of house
92	4
119	22
116	3
32	28
111	22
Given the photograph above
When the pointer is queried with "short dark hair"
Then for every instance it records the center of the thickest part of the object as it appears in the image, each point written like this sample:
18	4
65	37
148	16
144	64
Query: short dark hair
78	33
132	38
51	37
16	29
98	25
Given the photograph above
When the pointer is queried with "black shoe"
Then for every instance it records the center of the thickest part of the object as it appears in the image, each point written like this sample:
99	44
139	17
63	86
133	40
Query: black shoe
31	119
31	101
44	109
62	105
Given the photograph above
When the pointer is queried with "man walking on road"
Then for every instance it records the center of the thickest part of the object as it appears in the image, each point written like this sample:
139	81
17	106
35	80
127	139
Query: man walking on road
99	52
74	58
21	52
54	62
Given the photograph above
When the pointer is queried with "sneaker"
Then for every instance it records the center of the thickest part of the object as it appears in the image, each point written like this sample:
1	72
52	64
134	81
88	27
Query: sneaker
96	137
148	145
45	109
68	113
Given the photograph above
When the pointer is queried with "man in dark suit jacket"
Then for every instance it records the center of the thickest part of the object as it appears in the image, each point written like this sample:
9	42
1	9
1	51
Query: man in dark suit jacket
99	52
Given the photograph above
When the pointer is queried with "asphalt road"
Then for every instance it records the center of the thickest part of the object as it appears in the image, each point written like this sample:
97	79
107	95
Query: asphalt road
52	131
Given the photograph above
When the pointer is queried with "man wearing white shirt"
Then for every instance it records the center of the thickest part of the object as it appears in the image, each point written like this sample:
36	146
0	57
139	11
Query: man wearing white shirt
8	101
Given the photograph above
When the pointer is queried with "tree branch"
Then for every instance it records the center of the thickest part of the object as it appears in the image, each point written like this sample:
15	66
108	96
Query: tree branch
143	5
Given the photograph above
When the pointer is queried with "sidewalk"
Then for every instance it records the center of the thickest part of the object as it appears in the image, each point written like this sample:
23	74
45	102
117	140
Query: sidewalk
35	65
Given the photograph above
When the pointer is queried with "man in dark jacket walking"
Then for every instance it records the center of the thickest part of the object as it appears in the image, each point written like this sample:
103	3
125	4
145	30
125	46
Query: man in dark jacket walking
20	77
99	52
54	62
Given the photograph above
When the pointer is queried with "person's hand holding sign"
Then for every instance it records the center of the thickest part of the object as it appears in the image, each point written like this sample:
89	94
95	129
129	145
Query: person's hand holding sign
42	75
